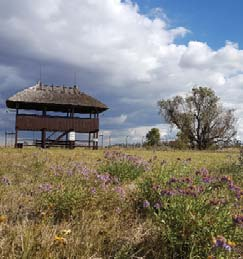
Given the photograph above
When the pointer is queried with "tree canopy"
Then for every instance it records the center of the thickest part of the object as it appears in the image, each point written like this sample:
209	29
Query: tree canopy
200	118
153	137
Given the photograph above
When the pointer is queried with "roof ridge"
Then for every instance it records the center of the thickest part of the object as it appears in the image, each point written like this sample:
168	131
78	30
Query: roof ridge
58	96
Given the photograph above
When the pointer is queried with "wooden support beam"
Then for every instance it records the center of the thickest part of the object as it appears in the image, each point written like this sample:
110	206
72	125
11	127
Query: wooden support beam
16	138
52	134
62	135
16	129
67	141
72	112
43	138
93	141
43	133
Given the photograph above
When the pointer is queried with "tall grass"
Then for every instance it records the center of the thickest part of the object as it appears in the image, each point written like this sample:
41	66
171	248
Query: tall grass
120	204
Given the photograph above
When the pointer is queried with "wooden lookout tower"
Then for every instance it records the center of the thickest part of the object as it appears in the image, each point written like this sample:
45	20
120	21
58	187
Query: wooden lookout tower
79	114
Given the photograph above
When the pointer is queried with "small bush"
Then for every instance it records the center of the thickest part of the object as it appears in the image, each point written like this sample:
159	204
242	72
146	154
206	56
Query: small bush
124	167
62	204
190	212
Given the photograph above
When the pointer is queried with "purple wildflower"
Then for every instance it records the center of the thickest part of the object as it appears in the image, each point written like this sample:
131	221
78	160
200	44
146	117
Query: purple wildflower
167	192
238	219
118	210
179	180
236	189
227	247
69	172
215	202
186	180
5	180
207	179
202	172
120	191
93	190
85	171
231	186
157	205
172	180
156	187
116	156
146	204
220	241
226	179
105	178
45	187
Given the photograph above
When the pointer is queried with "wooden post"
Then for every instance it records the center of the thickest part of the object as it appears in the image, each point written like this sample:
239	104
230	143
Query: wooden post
16	138
72	113
43	138
43	133
67	144
97	133
16	129
93	141
90	116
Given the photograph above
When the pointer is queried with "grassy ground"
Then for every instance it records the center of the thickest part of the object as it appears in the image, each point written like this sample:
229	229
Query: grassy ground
120	204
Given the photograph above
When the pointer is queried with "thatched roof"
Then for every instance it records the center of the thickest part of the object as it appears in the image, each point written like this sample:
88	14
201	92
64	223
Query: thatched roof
55	98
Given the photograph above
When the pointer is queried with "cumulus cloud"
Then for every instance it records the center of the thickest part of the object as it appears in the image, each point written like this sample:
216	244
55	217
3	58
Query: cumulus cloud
227	60
115	120
100	35
127	59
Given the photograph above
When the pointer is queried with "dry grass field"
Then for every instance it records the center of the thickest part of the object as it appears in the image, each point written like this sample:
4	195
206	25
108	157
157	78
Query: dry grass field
120	204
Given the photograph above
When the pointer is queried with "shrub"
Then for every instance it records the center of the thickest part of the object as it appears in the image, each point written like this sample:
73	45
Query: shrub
63	204
190	212
124	167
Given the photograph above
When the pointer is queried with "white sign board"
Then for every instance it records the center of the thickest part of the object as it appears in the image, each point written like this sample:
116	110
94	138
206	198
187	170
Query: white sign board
71	136
95	139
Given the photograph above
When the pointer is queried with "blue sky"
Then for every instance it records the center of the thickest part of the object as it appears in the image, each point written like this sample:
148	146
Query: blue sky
211	21
128	54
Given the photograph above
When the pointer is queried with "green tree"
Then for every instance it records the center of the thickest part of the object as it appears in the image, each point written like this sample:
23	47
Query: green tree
182	141
200	117
153	137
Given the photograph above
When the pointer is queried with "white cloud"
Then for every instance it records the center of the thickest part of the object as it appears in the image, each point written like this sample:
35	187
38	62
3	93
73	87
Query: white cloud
227	60
159	13
115	120
108	36
128	58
